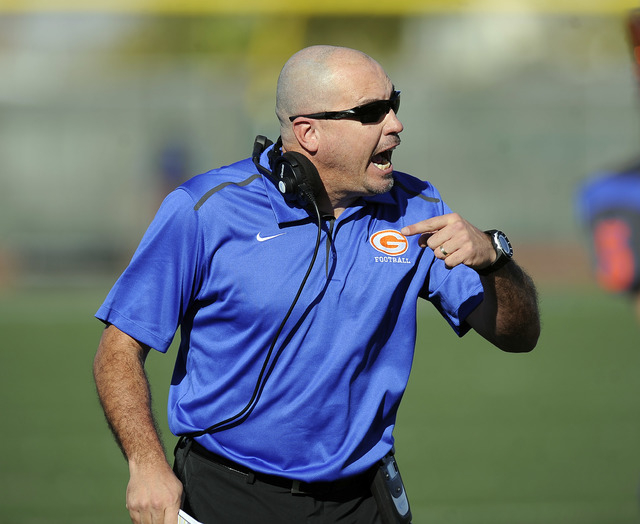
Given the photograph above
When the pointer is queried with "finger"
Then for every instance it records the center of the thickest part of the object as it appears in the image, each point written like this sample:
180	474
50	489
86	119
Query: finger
415	229
433	240
171	515
135	517
440	238
424	239
149	515
451	256
441	252
430	225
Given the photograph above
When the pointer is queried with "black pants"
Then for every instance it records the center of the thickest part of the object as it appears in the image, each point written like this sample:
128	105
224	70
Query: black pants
219	494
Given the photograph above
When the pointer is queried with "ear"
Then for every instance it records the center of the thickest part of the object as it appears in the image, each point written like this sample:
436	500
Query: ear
306	132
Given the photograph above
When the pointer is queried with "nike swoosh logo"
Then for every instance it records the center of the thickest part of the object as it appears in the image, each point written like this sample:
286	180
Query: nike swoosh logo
260	238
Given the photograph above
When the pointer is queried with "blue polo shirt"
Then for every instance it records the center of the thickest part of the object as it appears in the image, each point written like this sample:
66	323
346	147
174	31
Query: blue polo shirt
223	259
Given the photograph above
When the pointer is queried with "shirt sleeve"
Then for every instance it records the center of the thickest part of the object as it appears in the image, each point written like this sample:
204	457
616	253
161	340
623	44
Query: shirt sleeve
151	296
454	292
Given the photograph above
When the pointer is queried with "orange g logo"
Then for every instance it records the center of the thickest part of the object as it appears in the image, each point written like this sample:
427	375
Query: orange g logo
389	242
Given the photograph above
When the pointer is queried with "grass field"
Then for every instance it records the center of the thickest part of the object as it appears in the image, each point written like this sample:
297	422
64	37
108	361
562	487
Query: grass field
551	437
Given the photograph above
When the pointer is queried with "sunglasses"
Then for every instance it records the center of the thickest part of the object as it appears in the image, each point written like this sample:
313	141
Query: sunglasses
366	114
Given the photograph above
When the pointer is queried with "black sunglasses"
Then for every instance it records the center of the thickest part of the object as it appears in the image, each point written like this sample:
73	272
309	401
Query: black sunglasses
366	114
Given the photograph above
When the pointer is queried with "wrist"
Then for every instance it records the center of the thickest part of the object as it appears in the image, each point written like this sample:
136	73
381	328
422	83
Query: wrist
502	248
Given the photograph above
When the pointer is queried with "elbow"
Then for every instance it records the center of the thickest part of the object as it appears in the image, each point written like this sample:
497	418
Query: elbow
520	347
522	341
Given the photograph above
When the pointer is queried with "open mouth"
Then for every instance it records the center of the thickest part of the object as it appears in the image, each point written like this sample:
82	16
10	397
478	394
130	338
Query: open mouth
382	160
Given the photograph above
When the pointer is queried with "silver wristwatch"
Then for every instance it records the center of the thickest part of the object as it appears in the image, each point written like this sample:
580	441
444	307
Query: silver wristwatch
503	249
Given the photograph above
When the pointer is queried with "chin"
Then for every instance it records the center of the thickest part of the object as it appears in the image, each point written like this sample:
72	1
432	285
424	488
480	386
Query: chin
383	186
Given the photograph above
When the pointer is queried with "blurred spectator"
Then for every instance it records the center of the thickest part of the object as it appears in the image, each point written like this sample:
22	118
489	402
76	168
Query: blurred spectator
609	206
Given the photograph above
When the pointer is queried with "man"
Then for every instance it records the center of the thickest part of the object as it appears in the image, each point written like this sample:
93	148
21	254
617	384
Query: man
608	205
290	372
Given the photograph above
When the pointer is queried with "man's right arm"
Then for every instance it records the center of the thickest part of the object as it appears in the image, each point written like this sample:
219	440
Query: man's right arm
154	493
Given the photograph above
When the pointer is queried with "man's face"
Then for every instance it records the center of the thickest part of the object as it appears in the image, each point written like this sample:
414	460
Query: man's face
355	158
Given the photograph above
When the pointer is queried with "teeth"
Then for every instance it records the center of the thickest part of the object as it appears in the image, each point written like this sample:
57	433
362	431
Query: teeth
387	165
383	160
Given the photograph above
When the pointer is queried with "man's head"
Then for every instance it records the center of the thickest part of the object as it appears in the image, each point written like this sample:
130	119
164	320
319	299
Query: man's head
352	150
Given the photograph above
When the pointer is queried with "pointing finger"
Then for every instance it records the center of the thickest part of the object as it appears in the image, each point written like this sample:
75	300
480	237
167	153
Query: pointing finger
430	225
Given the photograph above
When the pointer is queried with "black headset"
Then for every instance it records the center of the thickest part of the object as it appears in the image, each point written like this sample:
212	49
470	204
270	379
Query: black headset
294	174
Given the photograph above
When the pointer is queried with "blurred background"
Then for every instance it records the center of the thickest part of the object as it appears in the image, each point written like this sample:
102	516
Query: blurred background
507	105
104	108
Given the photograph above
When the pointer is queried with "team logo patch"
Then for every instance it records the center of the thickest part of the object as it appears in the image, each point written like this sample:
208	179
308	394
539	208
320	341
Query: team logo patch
390	242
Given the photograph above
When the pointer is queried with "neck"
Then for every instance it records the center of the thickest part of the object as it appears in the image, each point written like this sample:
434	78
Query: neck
335	206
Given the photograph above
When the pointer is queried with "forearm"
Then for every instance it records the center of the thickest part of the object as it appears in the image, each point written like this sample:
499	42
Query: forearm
508	316
123	390
154	493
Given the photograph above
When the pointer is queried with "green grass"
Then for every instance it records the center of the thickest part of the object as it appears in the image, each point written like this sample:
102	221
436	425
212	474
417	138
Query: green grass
550	437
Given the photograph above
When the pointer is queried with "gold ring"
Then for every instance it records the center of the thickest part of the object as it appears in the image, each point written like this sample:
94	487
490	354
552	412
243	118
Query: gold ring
442	250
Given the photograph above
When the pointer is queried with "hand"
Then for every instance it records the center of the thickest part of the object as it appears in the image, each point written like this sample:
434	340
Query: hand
454	240
154	494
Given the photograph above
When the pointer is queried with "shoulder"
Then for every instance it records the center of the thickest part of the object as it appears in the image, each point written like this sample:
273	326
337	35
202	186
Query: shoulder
236	179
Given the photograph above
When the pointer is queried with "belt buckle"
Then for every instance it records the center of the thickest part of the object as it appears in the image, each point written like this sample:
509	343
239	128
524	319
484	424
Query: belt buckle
296	488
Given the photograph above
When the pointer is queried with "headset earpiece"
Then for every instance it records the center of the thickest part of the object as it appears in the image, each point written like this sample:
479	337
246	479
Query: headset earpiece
296	175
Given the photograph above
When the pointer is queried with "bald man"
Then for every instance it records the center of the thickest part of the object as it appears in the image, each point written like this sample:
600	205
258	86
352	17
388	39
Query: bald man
294	277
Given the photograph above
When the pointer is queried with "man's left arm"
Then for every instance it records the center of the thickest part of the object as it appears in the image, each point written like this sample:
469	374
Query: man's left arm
508	317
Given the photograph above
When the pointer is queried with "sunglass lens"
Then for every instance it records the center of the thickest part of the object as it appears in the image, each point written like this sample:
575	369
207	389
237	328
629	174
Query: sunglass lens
395	102
374	111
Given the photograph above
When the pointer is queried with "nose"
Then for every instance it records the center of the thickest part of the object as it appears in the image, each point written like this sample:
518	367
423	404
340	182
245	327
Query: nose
392	123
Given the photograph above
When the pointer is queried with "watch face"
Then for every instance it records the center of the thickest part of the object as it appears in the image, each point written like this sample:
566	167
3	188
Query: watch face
505	245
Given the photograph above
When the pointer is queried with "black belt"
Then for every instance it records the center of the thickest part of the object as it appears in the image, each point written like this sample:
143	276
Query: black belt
356	484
